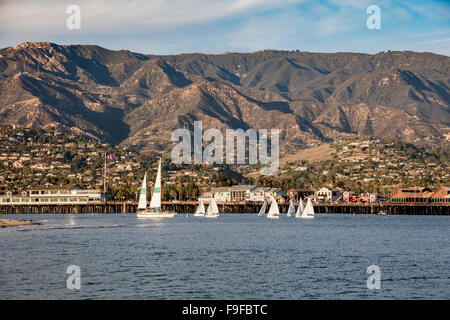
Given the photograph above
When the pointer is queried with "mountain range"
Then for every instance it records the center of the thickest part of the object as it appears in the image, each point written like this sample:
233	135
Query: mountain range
127	98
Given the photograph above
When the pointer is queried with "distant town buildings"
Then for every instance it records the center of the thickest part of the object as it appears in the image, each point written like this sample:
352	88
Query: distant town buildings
350	196
241	193
252	193
31	157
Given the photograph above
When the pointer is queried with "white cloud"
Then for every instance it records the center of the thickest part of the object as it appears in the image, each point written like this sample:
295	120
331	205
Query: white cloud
174	26
435	41
47	16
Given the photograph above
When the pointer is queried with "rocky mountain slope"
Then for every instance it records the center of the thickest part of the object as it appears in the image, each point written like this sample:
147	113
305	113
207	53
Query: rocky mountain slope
135	99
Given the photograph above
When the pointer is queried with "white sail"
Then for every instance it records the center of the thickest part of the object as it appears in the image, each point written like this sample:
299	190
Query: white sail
156	196
212	210
200	209
154	210
273	211
263	209
291	210
308	213
143	194
300	209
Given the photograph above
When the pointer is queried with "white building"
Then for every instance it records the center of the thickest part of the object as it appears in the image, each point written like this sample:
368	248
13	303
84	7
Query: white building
241	193
56	195
259	194
206	196
328	194
221	194
375	198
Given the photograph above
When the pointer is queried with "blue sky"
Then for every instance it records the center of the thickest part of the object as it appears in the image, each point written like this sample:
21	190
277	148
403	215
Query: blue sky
216	26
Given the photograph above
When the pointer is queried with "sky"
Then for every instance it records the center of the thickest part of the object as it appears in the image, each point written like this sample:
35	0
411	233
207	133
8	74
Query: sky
218	26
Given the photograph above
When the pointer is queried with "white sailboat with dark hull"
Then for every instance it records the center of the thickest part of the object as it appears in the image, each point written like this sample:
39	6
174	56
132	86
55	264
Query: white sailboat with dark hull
154	210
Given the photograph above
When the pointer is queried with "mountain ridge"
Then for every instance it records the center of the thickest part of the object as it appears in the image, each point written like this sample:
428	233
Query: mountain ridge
128	98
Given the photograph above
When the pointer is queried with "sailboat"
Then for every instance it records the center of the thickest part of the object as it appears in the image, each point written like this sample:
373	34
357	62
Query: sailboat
291	210
308	213
212	211
300	209
200	211
262	211
274	212
154	210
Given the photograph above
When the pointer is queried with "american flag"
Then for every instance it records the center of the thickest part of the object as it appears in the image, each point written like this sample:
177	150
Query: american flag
111	157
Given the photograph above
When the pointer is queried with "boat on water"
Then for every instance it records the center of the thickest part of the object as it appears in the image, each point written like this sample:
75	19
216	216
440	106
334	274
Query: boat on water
274	212
212	211
381	213
262	211
200	211
291	209
154	210
308	212
300	209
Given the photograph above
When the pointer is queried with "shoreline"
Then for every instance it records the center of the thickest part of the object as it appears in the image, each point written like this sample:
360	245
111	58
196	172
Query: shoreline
5	223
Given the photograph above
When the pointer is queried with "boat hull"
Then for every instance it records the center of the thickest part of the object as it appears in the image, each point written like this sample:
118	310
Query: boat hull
155	215
273	217
212	216
199	215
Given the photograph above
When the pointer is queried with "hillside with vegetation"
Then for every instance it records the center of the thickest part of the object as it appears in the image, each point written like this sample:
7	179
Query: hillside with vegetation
31	157
364	165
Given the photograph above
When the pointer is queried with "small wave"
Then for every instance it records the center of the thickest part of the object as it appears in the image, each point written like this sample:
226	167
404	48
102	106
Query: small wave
71	227
144	225
413	278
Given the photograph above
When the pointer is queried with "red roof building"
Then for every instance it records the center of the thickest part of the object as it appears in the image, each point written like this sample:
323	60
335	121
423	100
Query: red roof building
412	195
442	195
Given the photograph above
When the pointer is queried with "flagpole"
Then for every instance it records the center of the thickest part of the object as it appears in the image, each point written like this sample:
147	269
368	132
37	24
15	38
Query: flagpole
104	180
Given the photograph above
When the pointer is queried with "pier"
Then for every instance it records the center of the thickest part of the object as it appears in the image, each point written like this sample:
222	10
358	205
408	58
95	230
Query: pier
228	207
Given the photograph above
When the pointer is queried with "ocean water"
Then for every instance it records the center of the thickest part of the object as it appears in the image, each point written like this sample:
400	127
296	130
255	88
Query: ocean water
231	257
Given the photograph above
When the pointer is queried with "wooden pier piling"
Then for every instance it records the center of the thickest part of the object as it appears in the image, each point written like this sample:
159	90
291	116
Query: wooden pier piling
229	207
